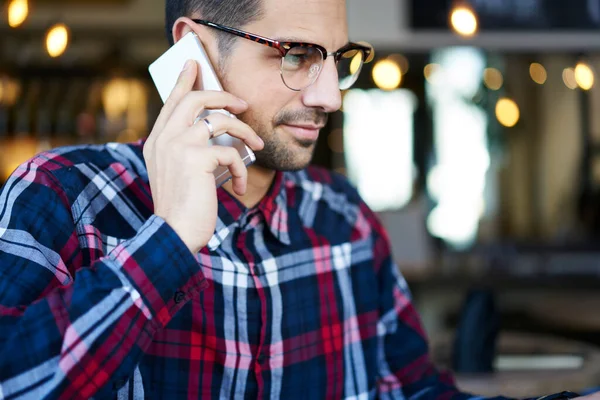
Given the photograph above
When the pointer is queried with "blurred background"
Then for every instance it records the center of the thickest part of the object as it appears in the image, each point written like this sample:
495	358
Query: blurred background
474	133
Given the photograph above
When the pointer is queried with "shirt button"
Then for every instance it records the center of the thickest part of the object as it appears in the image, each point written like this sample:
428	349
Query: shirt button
179	297
262	359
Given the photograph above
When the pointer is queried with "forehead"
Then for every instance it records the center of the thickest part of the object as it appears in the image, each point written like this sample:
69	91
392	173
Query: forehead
316	21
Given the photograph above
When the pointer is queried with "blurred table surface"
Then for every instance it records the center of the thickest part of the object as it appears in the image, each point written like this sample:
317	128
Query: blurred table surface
434	278
528	383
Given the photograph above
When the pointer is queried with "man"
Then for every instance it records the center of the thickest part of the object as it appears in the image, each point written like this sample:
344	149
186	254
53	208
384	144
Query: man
124	272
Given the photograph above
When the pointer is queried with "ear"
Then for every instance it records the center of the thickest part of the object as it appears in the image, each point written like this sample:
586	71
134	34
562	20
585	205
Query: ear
183	26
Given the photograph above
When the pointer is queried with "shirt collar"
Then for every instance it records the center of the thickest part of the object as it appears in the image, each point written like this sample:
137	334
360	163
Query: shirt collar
273	208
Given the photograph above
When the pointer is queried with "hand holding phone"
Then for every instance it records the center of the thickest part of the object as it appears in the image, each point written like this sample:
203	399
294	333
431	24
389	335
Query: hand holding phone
181	161
164	72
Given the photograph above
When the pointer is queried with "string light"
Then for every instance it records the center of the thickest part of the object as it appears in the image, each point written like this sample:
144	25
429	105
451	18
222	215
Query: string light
57	40
18	10
584	76
538	73
464	21
492	78
387	74
507	112
568	76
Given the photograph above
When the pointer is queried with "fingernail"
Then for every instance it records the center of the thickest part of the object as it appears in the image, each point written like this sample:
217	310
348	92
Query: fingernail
187	65
243	102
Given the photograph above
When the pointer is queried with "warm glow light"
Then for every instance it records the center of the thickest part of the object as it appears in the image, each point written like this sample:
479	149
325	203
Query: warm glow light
9	91
584	76
17	12
538	73
464	21
387	75
492	78
372	54
402	62
430	70
137	109
115	97
507	112
15	151
57	40
569	78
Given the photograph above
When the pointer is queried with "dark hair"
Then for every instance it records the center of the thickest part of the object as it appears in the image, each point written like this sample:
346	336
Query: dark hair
234	13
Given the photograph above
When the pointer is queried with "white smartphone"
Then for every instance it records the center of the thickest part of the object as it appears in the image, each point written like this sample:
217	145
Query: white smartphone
166	70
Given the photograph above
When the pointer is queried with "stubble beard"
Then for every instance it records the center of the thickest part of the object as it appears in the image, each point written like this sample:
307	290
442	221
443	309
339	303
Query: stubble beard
278	153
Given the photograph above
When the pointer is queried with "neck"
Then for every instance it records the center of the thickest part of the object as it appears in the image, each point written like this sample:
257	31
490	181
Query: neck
259	182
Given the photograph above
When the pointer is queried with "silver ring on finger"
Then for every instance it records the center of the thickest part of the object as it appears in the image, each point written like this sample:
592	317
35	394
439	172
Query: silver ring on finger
211	128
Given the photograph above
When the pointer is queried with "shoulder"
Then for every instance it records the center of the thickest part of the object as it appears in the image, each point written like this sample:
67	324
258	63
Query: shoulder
71	167
99	156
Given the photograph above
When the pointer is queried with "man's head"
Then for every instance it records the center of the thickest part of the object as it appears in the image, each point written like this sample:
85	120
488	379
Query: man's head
288	121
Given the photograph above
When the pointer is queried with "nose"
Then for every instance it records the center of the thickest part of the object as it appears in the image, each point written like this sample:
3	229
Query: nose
324	93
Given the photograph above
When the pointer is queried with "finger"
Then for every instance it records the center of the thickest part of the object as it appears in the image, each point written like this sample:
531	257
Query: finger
184	85
223	124
194	103
230	158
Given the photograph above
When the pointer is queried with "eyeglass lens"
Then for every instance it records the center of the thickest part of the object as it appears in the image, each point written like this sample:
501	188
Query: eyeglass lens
301	67
349	67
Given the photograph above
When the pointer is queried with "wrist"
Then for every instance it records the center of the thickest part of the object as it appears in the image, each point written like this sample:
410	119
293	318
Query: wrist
192	245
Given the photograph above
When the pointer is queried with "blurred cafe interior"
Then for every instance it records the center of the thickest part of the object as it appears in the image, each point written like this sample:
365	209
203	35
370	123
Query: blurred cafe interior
474	133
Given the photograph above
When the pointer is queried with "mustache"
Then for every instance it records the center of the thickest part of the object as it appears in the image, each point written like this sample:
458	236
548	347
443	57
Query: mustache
290	117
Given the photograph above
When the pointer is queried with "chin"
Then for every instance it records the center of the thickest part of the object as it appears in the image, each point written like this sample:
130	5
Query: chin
285	153
290	165
286	160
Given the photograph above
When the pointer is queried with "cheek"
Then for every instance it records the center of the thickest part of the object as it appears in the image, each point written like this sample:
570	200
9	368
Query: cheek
267	90
268	98
262	88
253	78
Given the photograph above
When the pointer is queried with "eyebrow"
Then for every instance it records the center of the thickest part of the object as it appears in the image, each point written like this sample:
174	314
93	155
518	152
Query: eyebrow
290	39
293	39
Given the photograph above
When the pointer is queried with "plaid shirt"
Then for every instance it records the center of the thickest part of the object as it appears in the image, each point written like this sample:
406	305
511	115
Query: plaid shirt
297	297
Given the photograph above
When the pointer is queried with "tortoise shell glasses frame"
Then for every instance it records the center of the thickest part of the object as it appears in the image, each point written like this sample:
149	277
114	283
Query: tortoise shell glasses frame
301	63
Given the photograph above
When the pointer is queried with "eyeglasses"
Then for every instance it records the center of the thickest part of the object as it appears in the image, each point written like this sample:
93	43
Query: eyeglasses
301	63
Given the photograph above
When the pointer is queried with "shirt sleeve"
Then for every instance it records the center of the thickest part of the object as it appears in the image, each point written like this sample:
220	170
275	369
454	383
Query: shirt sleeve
405	368
68	329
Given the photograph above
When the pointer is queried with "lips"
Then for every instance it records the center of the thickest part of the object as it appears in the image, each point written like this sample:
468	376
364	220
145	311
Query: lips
304	131
307	126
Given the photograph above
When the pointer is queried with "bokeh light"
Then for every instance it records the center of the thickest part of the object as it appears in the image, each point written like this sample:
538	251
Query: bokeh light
507	112
464	21
387	74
